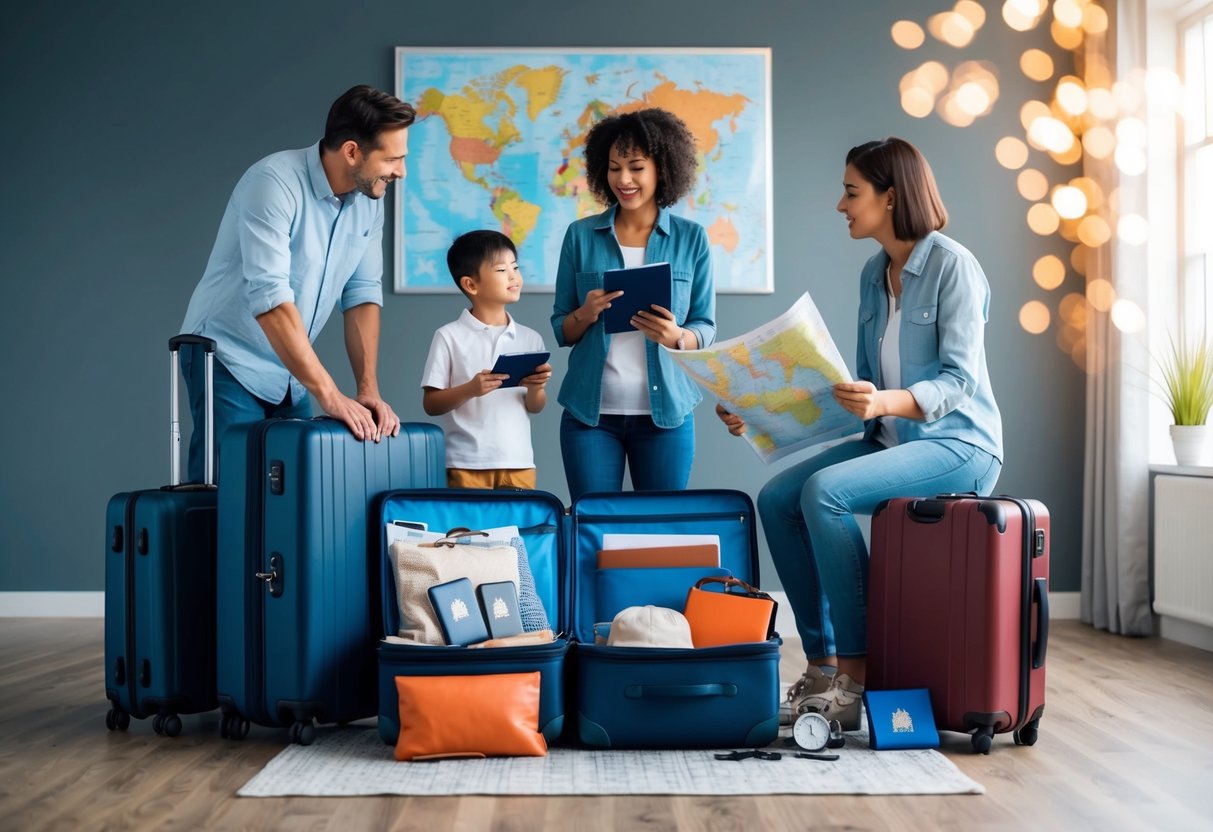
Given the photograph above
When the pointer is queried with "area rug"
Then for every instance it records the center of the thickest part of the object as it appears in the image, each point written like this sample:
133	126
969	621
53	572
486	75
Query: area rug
354	761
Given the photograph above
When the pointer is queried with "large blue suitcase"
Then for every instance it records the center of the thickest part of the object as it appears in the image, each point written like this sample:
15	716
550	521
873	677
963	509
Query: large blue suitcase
634	697
160	589
540	520
298	613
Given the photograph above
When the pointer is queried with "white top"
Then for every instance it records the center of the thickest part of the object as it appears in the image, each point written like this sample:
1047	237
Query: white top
625	376
890	364
493	430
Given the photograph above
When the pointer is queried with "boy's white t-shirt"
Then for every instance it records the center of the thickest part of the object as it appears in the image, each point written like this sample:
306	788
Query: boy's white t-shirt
625	375
493	430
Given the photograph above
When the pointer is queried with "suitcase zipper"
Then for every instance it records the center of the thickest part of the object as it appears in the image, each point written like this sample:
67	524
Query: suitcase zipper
254	541
649	518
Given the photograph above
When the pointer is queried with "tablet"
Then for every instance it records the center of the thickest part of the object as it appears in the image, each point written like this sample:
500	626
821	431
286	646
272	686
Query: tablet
642	287
518	365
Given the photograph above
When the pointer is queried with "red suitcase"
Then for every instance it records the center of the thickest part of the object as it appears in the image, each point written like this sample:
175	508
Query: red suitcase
958	603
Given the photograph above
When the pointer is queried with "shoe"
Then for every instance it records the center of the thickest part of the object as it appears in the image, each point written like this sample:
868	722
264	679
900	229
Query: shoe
841	701
814	681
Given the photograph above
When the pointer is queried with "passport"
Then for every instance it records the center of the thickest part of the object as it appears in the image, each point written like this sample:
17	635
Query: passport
499	602
642	286
899	719
458	613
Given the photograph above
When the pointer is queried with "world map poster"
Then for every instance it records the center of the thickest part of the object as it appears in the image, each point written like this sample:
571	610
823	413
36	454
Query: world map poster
498	144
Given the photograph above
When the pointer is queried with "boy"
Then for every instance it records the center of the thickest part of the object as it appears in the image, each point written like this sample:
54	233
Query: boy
488	432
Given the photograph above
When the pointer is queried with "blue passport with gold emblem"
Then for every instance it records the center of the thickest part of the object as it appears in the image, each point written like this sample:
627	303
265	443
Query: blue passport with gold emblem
458	613
899	719
499	602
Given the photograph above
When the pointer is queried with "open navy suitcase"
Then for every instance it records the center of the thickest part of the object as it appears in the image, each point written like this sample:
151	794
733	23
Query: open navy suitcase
160	588
298	612
623	697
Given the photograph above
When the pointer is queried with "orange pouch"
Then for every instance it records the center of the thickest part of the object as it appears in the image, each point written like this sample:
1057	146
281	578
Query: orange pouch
496	715
739	614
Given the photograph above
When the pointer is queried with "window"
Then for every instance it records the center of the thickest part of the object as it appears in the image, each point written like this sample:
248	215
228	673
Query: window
1196	174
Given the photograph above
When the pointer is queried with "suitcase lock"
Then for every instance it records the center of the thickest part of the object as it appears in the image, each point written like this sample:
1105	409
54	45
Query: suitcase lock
273	578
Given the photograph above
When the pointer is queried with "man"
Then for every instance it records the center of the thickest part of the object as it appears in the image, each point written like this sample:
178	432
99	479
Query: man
302	230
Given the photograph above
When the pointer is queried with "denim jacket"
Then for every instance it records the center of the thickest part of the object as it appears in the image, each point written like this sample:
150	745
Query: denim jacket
590	248
945	302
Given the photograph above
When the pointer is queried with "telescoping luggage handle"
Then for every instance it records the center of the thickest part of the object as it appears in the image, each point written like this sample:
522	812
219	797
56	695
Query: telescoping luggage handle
208	344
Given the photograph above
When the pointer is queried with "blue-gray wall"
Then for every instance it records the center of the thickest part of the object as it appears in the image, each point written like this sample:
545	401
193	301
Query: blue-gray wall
133	120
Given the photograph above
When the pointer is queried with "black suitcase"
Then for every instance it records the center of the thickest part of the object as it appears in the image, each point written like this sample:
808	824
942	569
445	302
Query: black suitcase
160	587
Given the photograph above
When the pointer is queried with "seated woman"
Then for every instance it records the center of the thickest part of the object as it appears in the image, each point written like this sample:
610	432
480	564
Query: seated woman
923	391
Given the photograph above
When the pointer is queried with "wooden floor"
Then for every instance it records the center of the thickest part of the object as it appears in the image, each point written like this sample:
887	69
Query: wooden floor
1126	743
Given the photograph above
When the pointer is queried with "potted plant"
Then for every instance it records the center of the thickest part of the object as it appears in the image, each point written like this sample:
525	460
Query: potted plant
1187	372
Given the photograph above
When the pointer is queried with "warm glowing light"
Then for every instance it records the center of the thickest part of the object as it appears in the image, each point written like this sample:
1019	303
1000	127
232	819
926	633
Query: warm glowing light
973	99
1043	219
1011	153
1068	230
1078	259
917	102
1022	15
951	28
971	11
907	34
1128	96
1049	272
1064	36
1032	110
1069	202
1130	160
1131	131
1100	294
1094	231
1133	229
1073	309
1127	316
1072	95
1069	156
1096	73
1050	134
1034	317
1099	142
1102	103
950	111
931	76
1067	13
1094	19
1164	88
1032	185
1091	191
1036	64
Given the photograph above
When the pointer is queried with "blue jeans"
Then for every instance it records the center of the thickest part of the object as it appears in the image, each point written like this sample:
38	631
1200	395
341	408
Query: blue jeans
234	405
659	459
808	514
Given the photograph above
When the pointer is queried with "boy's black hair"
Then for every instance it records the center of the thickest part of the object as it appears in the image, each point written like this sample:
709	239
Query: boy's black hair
658	134
472	250
361	114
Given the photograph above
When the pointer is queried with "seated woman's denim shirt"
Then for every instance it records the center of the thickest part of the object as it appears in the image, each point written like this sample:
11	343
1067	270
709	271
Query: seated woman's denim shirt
945	302
590	248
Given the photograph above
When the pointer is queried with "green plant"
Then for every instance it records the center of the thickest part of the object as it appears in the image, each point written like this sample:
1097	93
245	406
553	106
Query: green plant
1187	372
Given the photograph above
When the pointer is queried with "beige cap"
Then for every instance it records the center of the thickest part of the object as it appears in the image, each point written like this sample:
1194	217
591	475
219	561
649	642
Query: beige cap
650	626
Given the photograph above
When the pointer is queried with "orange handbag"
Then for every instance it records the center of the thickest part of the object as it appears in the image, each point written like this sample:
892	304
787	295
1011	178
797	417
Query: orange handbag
729	617
495	715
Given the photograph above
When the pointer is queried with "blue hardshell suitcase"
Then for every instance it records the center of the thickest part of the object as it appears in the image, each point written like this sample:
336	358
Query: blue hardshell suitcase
627	697
298	613
160	588
540	520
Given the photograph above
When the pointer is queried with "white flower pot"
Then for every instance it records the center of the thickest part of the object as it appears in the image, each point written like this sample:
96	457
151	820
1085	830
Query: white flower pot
1190	443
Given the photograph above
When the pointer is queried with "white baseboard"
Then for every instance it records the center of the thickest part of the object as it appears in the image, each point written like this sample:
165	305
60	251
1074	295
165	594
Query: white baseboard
52	604
1186	632
1062	605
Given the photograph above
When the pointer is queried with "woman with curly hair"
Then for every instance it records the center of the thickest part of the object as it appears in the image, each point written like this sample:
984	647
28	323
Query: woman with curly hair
625	400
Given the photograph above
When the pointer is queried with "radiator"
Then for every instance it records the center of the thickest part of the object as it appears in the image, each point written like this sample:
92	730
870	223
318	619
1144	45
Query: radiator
1183	548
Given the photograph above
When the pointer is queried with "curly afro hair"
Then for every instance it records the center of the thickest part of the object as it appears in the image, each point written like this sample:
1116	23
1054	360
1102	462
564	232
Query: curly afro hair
658	134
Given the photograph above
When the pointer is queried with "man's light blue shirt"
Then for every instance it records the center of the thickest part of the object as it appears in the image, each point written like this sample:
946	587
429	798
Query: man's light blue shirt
945	303
285	237
590	248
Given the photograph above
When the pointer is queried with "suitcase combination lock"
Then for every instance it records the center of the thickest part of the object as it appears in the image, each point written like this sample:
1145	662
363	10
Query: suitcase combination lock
273	578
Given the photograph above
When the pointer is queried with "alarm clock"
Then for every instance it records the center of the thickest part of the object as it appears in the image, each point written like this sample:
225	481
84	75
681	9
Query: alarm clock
811	731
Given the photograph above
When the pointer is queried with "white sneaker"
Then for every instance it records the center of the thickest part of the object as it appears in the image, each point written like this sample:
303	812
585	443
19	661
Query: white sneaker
813	681
841	701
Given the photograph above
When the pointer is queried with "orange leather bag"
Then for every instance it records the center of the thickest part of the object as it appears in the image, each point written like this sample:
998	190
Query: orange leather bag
496	715
739	614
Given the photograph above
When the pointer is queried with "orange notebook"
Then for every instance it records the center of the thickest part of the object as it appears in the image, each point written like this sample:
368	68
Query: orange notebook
699	554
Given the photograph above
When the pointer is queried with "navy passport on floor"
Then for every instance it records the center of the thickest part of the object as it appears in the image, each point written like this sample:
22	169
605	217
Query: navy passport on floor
458	613
900	719
642	286
519	365
499	601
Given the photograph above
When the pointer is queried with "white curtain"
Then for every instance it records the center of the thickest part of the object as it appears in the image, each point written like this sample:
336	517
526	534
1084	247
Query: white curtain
1115	550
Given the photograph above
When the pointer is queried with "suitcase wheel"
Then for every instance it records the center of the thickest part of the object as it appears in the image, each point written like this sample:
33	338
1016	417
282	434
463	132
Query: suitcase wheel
302	732
233	726
983	738
117	719
1027	735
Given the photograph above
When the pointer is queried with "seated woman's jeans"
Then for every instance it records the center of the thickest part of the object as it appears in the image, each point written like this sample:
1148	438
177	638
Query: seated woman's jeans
659	459
808	513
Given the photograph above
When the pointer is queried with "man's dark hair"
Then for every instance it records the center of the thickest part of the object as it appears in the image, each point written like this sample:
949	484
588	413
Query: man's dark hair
472	250
895	163
658	134
361	114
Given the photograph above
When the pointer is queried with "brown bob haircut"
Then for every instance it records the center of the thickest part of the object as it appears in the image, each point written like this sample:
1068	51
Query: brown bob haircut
895	163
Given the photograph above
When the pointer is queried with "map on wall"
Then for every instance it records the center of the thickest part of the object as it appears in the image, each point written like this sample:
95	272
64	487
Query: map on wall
498	145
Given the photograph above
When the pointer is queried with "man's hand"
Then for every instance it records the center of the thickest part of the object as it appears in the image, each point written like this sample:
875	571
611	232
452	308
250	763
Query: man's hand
355	416
658	325
538	378
732	421
387	423
485	381
860	398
